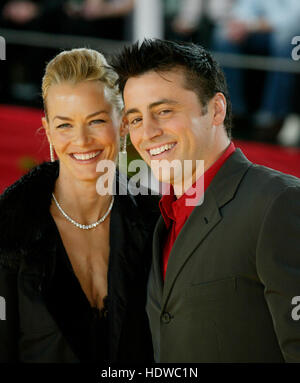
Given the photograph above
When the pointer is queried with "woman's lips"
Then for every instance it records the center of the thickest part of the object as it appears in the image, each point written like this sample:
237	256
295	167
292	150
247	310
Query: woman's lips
87	157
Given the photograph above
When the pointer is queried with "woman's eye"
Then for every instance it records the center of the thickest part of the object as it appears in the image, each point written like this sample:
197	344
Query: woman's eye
95	122
66	125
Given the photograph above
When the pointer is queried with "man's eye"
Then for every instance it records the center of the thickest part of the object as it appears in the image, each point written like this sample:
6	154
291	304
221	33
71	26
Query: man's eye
135	121
164	112
66	125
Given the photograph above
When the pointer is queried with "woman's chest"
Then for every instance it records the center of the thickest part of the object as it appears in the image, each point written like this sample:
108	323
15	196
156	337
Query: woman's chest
87	256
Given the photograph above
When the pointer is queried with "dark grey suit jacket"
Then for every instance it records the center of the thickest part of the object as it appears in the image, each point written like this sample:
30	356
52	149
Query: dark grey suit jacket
232	272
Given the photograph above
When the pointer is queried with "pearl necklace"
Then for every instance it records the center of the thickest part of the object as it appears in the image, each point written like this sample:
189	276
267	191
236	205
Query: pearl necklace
84	227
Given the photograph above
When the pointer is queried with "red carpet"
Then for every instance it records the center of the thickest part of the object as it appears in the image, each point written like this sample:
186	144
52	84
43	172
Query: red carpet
22	145
286	160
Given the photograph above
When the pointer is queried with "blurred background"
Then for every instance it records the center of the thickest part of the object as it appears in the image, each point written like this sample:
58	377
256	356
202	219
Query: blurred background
256	42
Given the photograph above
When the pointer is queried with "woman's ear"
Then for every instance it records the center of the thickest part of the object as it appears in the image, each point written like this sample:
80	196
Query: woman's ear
46	127
219	109
124	127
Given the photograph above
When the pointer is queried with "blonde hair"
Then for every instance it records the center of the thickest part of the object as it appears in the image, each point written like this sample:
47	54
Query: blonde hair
79	65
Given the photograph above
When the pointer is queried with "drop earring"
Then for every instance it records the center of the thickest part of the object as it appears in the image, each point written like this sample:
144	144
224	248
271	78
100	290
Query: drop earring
51	153
123	156
124	144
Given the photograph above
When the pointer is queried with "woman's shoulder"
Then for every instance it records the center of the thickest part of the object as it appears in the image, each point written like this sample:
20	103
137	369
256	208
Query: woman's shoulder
23	206
140	201
28	194
148	204
37	177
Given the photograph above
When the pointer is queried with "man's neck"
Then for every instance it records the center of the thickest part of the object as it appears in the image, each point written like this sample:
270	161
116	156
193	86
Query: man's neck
188	180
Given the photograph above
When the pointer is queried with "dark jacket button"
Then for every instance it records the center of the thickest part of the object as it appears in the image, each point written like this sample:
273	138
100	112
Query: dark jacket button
166	318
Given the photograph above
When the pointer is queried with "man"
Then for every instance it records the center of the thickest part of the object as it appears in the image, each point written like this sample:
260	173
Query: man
226	272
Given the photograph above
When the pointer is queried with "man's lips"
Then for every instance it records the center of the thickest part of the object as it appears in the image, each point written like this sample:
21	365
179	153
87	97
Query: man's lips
161	149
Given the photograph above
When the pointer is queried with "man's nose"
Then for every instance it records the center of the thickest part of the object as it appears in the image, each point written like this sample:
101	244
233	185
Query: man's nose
151	128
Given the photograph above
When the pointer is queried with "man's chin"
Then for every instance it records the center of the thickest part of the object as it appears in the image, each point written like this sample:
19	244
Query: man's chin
163	180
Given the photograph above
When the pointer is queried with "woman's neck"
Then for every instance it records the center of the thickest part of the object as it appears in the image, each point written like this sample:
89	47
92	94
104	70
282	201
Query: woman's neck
80	200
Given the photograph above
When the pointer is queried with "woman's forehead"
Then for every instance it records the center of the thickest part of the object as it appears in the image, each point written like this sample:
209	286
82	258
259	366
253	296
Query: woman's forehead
77	98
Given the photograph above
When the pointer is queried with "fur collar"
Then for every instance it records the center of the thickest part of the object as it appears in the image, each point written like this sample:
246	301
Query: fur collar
25	223
25	213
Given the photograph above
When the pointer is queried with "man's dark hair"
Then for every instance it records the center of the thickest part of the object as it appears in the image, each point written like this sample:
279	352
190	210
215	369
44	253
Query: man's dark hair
203	74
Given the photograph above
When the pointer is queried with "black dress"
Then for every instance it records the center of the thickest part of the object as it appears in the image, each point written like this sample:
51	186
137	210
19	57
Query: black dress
49	319
88	330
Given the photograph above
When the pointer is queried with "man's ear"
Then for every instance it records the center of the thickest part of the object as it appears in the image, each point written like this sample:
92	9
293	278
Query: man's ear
124	130
220	106
46	127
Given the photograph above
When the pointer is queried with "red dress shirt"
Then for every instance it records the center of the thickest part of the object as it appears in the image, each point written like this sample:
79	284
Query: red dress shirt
175	211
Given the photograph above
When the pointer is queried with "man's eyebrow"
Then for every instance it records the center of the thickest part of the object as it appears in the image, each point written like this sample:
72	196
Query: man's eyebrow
89	116
163	101
130	111
153	105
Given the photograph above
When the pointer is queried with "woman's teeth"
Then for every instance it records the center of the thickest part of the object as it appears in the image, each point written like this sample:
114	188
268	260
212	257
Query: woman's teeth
161	149
86	156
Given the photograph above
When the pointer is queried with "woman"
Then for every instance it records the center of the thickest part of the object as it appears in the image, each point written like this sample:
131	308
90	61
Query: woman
73	263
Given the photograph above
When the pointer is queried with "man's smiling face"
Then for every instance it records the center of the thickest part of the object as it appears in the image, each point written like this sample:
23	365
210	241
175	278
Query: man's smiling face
167	121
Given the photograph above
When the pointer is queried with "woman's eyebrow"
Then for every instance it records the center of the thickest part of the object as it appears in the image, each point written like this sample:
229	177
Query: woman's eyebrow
89	116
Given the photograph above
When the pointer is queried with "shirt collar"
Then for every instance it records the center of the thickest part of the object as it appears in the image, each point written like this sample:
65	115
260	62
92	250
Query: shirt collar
173	209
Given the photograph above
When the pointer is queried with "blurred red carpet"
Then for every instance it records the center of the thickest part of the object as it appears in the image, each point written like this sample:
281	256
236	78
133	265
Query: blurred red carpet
22	145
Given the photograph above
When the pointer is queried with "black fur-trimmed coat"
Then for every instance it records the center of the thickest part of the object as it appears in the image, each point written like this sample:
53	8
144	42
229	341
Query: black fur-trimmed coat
35	329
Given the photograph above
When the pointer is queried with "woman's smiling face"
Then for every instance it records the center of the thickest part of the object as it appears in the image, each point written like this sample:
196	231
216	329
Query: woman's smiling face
81	125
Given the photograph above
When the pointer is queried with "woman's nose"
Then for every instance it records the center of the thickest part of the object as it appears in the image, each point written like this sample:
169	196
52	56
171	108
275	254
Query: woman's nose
82	136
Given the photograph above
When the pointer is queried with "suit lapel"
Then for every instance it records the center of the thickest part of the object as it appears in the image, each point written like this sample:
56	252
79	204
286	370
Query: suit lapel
159	235
202	220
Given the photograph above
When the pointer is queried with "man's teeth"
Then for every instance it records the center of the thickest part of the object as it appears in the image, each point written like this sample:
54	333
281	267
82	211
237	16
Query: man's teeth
87	156
161	149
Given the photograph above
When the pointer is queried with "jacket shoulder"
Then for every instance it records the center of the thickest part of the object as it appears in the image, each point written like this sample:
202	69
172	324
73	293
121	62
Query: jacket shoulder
271	181
258	190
